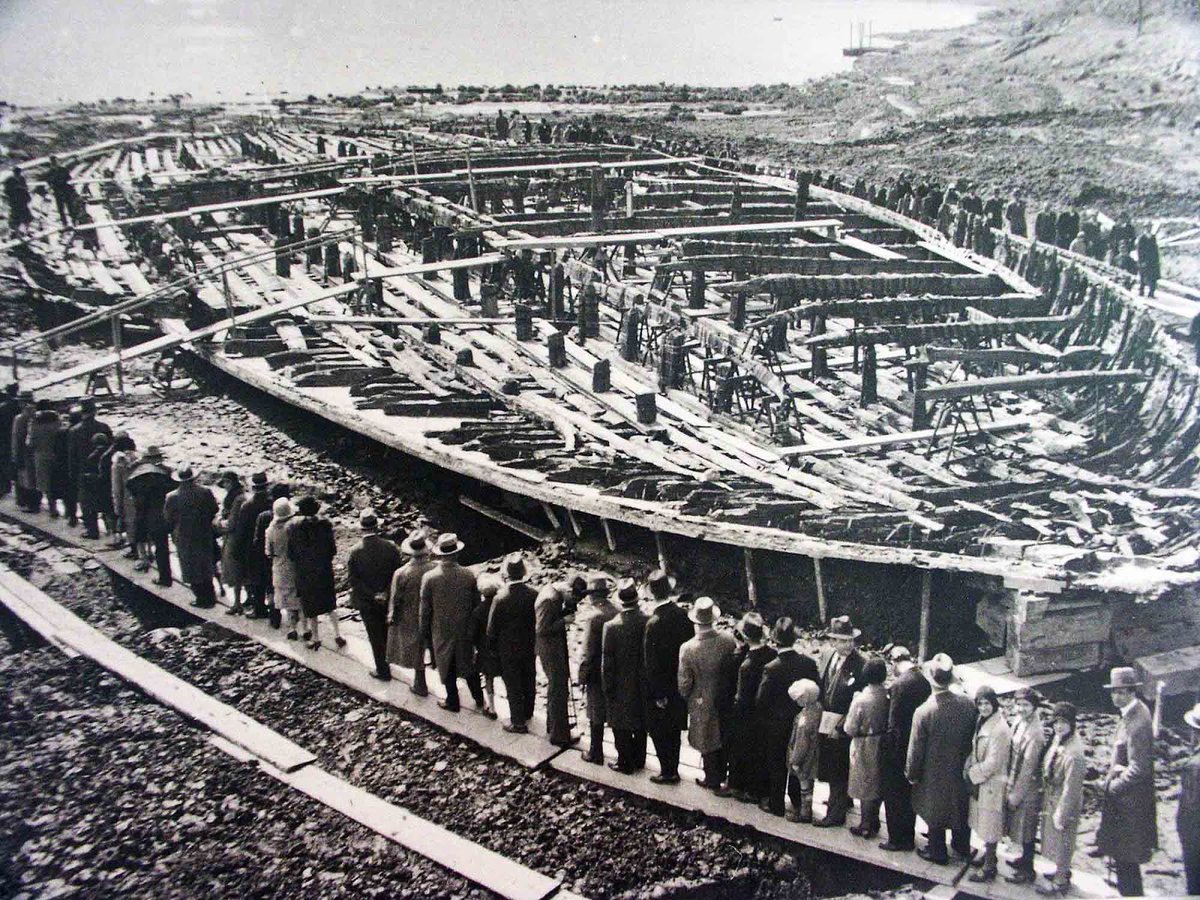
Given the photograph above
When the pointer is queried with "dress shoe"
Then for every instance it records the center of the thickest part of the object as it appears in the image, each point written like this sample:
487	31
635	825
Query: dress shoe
1021	876
665	779
617	767
292	636
454	707
704	783
199	604
834	821
987	873
314	645
562	742
131	554
167	582
724	791
1096	853
255	614
864	831
516	729
380	676
896	847
1054	889
590	757
937	859
420	690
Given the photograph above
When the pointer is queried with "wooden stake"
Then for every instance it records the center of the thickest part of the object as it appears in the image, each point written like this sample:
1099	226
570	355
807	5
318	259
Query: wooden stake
926	598
471	182
117	340
550	514
574	522
822	606
751	586
608	536
496	516
662	553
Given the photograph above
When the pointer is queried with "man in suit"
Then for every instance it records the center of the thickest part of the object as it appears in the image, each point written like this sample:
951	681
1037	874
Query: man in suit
623	673
448	598
370	567
554	610
589	675
79	445
705	683
667	630
252	565
943	730
840	669
1128	825
908	692
511	632
749	774
776	711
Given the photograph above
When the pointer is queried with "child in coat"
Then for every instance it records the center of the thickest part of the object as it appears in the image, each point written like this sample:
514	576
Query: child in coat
802	745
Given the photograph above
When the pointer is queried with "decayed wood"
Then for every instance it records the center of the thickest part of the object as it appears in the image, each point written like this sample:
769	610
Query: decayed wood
657	234
888	440
921	334
504	519
1048	380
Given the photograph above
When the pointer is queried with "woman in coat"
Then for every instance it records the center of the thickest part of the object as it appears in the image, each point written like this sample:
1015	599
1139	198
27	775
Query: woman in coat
283	572
986	773
232	570
802	744
43	434
1023	803
1063	770
866	725
311	547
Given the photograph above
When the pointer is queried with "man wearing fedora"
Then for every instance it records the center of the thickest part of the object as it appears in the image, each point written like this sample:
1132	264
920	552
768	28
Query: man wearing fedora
370	567
448	598
667	630
79	445
1128	832
1187	819
189	511
149	483
706	677
623	674
589	674
840	679
241	538
554	610
777	711
749	777
909	690
406	639
511	632
943	734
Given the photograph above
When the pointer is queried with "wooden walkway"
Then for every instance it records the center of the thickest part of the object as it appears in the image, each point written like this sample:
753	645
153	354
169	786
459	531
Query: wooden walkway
351	667
276	755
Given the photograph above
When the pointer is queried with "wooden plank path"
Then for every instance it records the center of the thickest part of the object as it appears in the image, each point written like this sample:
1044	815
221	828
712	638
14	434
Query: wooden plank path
277	756
350	667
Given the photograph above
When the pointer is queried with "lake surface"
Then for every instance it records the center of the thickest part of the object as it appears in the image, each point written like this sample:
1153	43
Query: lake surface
84	49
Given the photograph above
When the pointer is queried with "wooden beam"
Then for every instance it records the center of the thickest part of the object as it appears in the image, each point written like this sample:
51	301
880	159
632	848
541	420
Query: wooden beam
892	440
1011	355
926	607
1046	380
504	519
662	553
658	234
548	165
921	334
751	584
551	515
404	320
608	535
819	578
882	308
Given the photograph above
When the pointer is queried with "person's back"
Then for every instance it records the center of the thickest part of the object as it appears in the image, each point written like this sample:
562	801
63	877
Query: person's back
372	563
512	620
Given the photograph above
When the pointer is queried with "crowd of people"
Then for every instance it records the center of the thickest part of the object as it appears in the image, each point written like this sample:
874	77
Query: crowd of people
767	718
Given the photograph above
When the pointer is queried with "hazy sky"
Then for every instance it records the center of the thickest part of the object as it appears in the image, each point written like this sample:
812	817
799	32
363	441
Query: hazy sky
88	49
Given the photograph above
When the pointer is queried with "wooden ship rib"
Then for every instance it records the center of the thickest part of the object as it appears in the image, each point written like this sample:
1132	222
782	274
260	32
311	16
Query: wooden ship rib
684	345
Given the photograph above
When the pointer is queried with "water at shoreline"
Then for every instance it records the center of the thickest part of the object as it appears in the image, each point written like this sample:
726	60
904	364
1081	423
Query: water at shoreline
223	49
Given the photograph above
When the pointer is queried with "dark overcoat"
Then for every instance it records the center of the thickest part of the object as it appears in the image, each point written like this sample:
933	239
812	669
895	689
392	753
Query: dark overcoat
837	692
943	732
189	511
448	599
311	548
149	484
512	622
905	696
252	565
667	630
1128	824
370	567
623	669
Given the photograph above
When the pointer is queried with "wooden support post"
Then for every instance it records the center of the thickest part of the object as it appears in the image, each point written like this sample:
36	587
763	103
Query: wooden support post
602	376
751	585
658	545
820	359
574	522
870	382
413	146
552	516
523	321
803	180
471	182
696	292
629	199
556	349
597	199
283	260
737	311
118	341
926	605
383	233
647	408
608	536
822	605
504	519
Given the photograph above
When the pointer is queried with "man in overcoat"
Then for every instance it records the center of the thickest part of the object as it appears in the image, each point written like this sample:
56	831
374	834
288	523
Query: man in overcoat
149	483
510	631
776	711
372	563
554	610
1147	262
840	679
79	445
10	408
667	630
448	597
907	693
623	673
943	731
189	511
1128	831
749	772
406	640
19	452
252	565
590	675
706	675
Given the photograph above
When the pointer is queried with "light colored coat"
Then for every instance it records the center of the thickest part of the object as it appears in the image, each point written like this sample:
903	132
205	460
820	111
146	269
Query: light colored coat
705	662
43	433
404	646
987	769
283	572
122	462
866	724
1063	771
803	744
1024	802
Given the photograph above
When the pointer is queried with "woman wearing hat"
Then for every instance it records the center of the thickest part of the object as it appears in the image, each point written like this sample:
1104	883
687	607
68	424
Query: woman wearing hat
312	547
1023	802
122	460
232	572
866	724
283	572
986	773
149	482
1063	771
